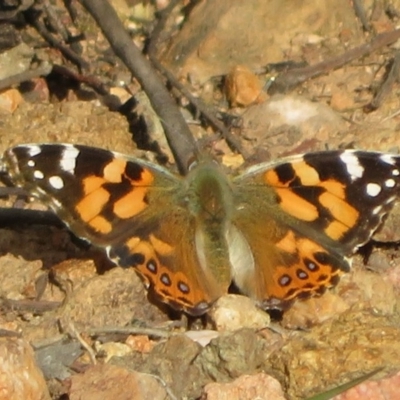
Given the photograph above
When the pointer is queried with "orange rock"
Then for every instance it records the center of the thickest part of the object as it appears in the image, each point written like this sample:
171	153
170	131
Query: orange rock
10	100
243	87
246	387
112	382
20	377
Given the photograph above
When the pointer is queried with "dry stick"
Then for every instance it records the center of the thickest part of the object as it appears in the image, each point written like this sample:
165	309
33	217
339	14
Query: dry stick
160	26
232	140
72	11
67	52
289	80
92	81
198	103
54	21
71	329
178	134
359	10
386	87
129	330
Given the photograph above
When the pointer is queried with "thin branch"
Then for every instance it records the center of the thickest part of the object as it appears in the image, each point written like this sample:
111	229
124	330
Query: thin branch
129	330
92	81
289	80
359	10
66	51
178	134
71	329
387	85
233	141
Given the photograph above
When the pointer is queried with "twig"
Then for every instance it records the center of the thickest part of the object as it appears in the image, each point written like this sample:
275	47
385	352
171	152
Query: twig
178	134
89	80
67	52
159	28
74	332
54	22
289	80
164	384
73	13
233	141
197	103
130	330
359	10
386	87
391	116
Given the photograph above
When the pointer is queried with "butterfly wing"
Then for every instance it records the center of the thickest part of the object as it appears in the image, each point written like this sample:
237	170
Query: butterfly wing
300	219
134	209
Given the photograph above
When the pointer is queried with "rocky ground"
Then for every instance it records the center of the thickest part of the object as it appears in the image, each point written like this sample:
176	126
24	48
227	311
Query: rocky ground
72	326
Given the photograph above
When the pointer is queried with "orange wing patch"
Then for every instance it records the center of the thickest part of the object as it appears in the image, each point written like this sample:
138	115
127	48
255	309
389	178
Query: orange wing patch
346	216
333	199
288	243
314	271
297	206
272	178
100	224
308	175
335	187
92	204
96	196
336	230
161	247
92	183
114	170
171	286
131	204
291	202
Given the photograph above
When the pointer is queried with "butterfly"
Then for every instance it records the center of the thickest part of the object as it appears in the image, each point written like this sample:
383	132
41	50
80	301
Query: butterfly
280	231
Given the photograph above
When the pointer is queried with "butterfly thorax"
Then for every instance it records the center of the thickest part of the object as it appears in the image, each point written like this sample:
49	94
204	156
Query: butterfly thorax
209	199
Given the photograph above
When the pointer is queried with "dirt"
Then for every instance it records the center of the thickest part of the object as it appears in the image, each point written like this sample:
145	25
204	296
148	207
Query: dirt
67	302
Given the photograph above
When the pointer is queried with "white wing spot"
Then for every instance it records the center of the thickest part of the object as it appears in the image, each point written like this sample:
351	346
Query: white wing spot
390	183
38	174
56	204
388	159
68	159
390	200
31	163
377	210
33	150
353	167
395	172
373	189
56	182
